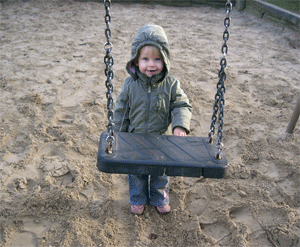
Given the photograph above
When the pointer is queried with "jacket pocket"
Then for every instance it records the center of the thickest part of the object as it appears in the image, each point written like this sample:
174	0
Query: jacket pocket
130	128
161	105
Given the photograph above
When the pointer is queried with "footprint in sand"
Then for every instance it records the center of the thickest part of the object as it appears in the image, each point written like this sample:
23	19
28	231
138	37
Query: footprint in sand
197	200
218	230
199	203
31	231
258	227
64	119
247	225
52	160
24	239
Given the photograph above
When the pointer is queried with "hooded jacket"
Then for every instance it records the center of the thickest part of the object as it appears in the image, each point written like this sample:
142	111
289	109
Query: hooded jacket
150	104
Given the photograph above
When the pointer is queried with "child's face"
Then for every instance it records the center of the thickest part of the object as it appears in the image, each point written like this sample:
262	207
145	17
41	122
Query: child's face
150	61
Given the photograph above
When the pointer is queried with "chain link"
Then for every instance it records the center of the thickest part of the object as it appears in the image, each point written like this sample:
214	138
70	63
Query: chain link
109	61
219	97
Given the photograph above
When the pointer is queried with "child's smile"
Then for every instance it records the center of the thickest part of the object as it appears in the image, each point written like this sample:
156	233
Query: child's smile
150	61
150	73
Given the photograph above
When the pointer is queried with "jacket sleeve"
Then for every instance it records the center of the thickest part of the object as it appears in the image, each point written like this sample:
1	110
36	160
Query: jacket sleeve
181	110
121	111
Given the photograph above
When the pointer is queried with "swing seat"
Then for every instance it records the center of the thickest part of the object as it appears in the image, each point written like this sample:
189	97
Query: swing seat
158	155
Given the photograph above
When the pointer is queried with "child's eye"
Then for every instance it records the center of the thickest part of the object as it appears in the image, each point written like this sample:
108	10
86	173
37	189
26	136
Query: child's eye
157	59
146	59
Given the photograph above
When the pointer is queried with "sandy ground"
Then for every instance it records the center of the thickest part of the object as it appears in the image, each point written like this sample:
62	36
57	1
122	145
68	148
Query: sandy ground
53	109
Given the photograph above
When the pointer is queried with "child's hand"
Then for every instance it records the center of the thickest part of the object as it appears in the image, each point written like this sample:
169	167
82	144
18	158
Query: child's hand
178	131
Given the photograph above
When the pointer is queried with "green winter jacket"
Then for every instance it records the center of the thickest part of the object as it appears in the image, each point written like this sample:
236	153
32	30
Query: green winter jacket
149	105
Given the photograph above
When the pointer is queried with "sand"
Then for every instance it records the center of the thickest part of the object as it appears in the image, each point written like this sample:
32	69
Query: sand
53	110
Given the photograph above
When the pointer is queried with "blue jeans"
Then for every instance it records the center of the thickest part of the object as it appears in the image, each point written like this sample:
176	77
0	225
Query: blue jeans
141	192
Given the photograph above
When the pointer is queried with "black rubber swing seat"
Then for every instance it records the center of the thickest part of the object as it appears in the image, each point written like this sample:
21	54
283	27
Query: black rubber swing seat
157	155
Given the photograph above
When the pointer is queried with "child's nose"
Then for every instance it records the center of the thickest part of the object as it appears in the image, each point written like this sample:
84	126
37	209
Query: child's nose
151	62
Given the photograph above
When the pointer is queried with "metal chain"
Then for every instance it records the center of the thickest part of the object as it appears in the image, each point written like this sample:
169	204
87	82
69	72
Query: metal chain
219	97
109	61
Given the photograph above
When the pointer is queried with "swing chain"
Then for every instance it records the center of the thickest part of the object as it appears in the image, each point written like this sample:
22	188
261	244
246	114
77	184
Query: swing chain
219	97
109	61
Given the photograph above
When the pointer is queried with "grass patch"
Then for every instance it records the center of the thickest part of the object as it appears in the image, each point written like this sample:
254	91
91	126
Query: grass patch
288	5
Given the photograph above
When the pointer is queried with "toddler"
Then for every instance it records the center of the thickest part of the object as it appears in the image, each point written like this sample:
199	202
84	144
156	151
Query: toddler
151	101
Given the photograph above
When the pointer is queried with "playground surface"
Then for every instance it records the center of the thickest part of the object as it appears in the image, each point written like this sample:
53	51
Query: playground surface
53	110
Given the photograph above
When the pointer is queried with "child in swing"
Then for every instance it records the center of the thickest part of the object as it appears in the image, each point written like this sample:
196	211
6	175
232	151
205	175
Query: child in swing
151	101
